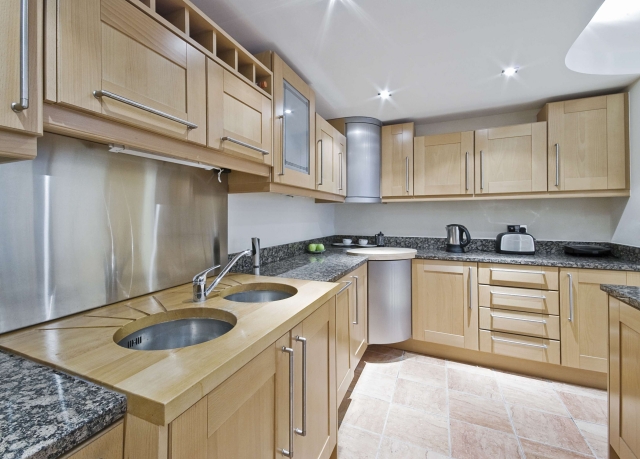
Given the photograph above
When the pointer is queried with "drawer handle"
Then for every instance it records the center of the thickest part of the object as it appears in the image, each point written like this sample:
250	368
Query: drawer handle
542	346
522	271
244	144
519	295
498	316
345	287
100	93
24	59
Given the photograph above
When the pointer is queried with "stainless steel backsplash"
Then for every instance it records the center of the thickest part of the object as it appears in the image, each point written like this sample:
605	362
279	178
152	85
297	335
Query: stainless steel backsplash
81	227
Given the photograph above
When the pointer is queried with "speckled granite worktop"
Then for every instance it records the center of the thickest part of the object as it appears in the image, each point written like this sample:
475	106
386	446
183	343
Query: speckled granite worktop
630	295
45	413
329	266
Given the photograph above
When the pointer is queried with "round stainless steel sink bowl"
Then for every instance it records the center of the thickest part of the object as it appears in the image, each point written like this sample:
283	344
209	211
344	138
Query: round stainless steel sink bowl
175	329
259	293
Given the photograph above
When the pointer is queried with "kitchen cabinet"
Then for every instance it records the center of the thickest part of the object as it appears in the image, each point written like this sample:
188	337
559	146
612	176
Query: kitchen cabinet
248	415
624	379
445	303
444	164
108	444
397	160
511	159
344	367
21	76
588	143
330	156
239	113
583	317
359	317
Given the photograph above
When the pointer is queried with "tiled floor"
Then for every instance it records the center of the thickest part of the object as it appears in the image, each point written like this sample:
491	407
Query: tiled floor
405	406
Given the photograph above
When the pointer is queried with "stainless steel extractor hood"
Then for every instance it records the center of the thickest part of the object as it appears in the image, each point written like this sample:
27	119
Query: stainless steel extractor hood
364	155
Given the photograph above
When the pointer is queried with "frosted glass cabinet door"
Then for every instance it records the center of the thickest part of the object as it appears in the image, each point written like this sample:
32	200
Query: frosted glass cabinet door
296	130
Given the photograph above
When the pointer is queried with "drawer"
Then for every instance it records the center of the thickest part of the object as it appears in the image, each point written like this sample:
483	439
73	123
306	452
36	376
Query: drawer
519	299
539	277
521	347
108	444
520	323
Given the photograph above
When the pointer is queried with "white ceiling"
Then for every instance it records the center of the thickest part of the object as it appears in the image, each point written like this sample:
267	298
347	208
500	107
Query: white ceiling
441	59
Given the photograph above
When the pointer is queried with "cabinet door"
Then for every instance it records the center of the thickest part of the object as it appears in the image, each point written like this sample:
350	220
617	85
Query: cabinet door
445	303
113	47
358	320
344	370
397	160
28	120
511	159
340	149
443	164
583	317
326	157
239	112
589	143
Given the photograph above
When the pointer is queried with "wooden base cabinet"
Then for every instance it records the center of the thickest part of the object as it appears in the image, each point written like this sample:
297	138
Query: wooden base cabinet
344	367
445	303
359	315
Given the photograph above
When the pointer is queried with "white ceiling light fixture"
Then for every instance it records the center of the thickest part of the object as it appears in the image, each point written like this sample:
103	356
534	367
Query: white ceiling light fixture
510	71
384	94
288	111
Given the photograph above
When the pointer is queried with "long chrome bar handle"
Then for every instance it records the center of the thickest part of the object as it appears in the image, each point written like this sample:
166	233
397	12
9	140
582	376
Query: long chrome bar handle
303	432
519	295
481	169
24	59
289	452
321	161
522	271
340	164
570	297
470	287
281	118
244	144
466	172
357	305
557	164
345	287
543	346
498	316
406	173
99	93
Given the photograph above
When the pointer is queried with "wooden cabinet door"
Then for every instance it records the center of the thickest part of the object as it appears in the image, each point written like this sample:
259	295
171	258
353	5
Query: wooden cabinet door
397	160
588	147
344	370
326	157
583	317
340	149
511	159
25	120
237	111
113	47
443	164
445	303
358	316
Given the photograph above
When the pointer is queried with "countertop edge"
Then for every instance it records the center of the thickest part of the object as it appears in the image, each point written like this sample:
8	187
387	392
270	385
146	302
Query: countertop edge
625	293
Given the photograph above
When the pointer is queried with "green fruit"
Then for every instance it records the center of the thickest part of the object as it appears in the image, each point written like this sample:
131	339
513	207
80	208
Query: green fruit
320	247
312	247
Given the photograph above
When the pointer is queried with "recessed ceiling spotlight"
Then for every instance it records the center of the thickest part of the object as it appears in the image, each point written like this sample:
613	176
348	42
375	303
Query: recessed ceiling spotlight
384	94
510	71
288	111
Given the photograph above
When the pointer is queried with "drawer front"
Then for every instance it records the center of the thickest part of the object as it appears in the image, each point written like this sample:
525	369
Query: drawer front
537	277
521	323
106	445
521	347
520	299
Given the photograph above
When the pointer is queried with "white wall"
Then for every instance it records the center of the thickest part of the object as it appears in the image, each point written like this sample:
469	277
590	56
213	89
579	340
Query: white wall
628	230
276	219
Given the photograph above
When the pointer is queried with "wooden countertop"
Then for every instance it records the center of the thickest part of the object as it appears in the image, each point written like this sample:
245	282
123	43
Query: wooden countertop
161	385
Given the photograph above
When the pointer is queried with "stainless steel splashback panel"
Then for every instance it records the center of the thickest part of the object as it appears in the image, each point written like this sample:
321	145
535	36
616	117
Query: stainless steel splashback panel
81	227
364	156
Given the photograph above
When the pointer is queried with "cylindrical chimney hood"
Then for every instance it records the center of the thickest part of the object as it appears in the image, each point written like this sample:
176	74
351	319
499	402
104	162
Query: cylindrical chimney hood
364	155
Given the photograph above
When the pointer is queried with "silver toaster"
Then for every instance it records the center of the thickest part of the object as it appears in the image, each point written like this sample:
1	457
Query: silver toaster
516	243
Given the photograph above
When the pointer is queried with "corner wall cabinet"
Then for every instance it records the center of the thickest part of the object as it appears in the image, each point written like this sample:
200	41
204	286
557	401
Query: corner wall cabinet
330	157
397	160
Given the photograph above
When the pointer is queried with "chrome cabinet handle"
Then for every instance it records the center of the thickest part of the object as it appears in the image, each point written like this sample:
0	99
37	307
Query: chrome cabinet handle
281	118
522	271
98	94
470	289
542	346
24	59
244	144
406	173
357	305
340	164
303	432
345	287
481	170
570	297
498	316
466	172
519	295
557	164
289	452
321	161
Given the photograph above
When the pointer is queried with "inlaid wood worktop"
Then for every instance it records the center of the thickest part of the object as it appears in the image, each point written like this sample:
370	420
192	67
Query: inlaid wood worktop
160	385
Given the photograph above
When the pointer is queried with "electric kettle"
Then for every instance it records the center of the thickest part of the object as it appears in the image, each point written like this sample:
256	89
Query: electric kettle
458	238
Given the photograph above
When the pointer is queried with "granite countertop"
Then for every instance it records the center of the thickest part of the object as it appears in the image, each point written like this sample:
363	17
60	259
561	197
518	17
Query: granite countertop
630	295
329	266
45	413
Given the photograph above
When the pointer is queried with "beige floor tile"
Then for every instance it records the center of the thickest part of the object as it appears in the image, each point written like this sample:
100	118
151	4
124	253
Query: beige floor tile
421	396
391	448
423	358
470	368
479	410
470	441
354	443
375	385
367	413
523	381
541	397
419	428
385	350
380	363
579	390
548	428
585	408
535	450
597	437
423	373
434	455
483	385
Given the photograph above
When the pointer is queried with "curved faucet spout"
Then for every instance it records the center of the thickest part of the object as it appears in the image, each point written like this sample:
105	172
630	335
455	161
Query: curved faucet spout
200	289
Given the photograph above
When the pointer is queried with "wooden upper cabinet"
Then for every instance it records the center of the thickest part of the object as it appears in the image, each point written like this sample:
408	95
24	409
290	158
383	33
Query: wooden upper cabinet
443	164
326	157
340	148
511	159
397	160
588	147
238	112
141	68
